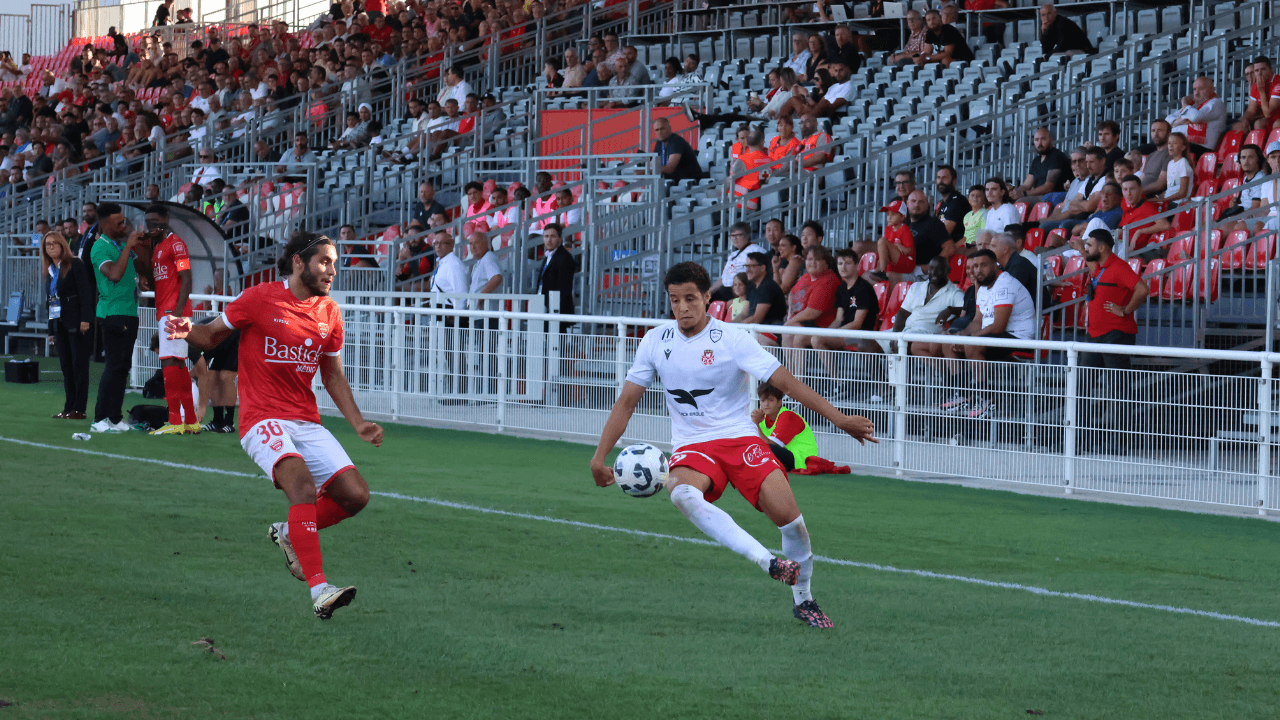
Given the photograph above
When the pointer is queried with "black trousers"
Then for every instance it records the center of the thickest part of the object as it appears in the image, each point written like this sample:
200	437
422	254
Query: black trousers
75	349
119	334
1108	360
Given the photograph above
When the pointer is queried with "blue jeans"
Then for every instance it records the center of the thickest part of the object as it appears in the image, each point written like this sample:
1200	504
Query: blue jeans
1054	198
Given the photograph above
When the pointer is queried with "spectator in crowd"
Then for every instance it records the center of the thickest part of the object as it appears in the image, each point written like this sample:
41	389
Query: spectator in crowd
1004	310
896	248
620	94
1006	249
947	42
677	159
1153	168
117	313
904	183
1048	173
612	49
1084	202
298	158
486	275
817	58
814	137
782	83
856	308
450	276
637	73
927	306
355	254
207	171
557	271
798	61
672	84
354	135
1263	110
812	300
1271	190
1108	216
1136	210
234	216
426	205
574	71
1060	36
736	261
929	235
1249	200
749	171
1203	116
976	218
453	87
1109	140
1115	292
788	263
951	207
1000	211
915	45
1179	173
812	233
766	302
847	49
834	98
71	310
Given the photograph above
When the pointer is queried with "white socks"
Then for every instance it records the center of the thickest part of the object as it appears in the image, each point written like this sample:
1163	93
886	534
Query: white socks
717	524
795	545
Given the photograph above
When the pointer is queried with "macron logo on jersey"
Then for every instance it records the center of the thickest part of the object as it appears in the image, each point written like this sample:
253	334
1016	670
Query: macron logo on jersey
278	352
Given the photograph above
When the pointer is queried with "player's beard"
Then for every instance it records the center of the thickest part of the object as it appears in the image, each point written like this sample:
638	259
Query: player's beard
312	283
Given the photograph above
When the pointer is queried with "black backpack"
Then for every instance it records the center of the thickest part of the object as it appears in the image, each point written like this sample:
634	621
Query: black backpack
153	389
153	416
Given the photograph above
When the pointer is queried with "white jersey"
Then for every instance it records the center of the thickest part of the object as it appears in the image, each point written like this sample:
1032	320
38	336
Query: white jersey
706	379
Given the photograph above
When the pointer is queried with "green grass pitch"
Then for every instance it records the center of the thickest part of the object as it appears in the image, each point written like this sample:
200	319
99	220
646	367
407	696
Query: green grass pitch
111	569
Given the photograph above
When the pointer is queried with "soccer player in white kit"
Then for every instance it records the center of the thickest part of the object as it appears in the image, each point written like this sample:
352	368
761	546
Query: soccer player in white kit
288	331
705	367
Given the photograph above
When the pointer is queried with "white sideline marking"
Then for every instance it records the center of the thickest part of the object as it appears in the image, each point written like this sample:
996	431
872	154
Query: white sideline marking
701	541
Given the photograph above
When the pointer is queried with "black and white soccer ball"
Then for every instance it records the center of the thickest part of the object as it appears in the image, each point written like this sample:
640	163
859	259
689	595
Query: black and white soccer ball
640	470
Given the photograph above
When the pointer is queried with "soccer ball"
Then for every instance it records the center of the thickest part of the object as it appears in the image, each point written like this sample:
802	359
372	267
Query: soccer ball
640	470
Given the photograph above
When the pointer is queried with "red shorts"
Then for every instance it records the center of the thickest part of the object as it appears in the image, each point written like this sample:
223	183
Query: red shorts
905	265
742	462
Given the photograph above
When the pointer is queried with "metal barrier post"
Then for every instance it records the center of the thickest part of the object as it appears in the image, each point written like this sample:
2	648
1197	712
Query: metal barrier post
900	414
1069	421
396	347
503	321
620	361
1264	434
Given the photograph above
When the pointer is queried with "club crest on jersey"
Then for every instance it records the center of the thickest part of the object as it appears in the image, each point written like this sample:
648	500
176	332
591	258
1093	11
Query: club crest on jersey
324	330
277	446
708	357
716	334
755	456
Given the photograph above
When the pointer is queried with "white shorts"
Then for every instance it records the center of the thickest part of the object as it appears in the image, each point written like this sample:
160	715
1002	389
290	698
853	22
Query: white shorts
171	348
271	441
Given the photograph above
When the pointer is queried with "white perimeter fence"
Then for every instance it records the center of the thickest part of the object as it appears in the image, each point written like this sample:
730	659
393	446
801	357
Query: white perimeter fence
1170	435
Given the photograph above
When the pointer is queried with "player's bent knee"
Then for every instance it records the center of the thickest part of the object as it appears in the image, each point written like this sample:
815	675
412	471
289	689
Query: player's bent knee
350	491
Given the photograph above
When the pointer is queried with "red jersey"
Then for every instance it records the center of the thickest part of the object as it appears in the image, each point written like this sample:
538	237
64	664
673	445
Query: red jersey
281	339
819	294
1273	89
1113	281
168	258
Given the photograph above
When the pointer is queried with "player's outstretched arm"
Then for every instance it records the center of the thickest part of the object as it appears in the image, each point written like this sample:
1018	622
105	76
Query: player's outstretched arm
621	414
200	337
335	381
856	426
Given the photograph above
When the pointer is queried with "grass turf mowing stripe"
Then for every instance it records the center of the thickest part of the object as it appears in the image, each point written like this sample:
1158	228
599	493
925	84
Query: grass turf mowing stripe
1045	592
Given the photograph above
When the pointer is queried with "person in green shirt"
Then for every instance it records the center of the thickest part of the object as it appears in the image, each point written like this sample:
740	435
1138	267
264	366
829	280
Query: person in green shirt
790	437
117	313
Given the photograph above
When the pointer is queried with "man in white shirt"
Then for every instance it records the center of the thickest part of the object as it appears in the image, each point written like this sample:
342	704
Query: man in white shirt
450	276
486	275
1005	310
836	97
1203	116
736	262
799	60
454	87
927	306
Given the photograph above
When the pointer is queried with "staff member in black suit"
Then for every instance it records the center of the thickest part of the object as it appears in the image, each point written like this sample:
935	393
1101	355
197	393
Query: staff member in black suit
71	307
557	271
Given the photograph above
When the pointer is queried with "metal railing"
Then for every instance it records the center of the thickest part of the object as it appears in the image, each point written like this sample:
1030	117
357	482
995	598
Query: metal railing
1202	438
45	31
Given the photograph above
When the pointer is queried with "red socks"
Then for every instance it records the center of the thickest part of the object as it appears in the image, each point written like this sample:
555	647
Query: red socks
306	542
177	395
329	512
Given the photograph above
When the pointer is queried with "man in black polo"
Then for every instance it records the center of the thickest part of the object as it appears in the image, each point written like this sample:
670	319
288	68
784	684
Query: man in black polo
677	159
928	232
1060	36
952	206
1048	170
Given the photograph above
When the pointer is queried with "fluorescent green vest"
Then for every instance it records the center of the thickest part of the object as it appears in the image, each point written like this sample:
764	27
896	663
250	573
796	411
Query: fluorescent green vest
804	445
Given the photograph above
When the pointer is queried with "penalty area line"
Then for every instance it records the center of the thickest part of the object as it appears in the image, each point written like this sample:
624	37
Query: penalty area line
1044	592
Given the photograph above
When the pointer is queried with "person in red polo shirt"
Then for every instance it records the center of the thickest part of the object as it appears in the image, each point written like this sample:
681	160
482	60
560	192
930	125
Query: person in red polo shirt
1136	209
1115	292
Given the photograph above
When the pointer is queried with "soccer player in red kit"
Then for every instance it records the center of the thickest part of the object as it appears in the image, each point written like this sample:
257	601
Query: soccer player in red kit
171	279
288	331
705	367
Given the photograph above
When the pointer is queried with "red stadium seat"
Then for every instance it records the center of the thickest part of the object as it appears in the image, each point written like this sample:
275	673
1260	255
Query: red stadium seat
1035	236
882	292
1237	244
1262	250
1184	221
1230	144
1207	166
958	264
1256	137
1182	249
1073	315
1054	235
867	263
889	310
1230	168
1177	285
1273	136
1075	264
1215	242
1053	264
1152	274
1021	207
1206	187
1039	211
718	310
1136	264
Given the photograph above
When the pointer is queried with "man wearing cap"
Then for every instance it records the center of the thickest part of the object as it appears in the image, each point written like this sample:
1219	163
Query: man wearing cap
1114	293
